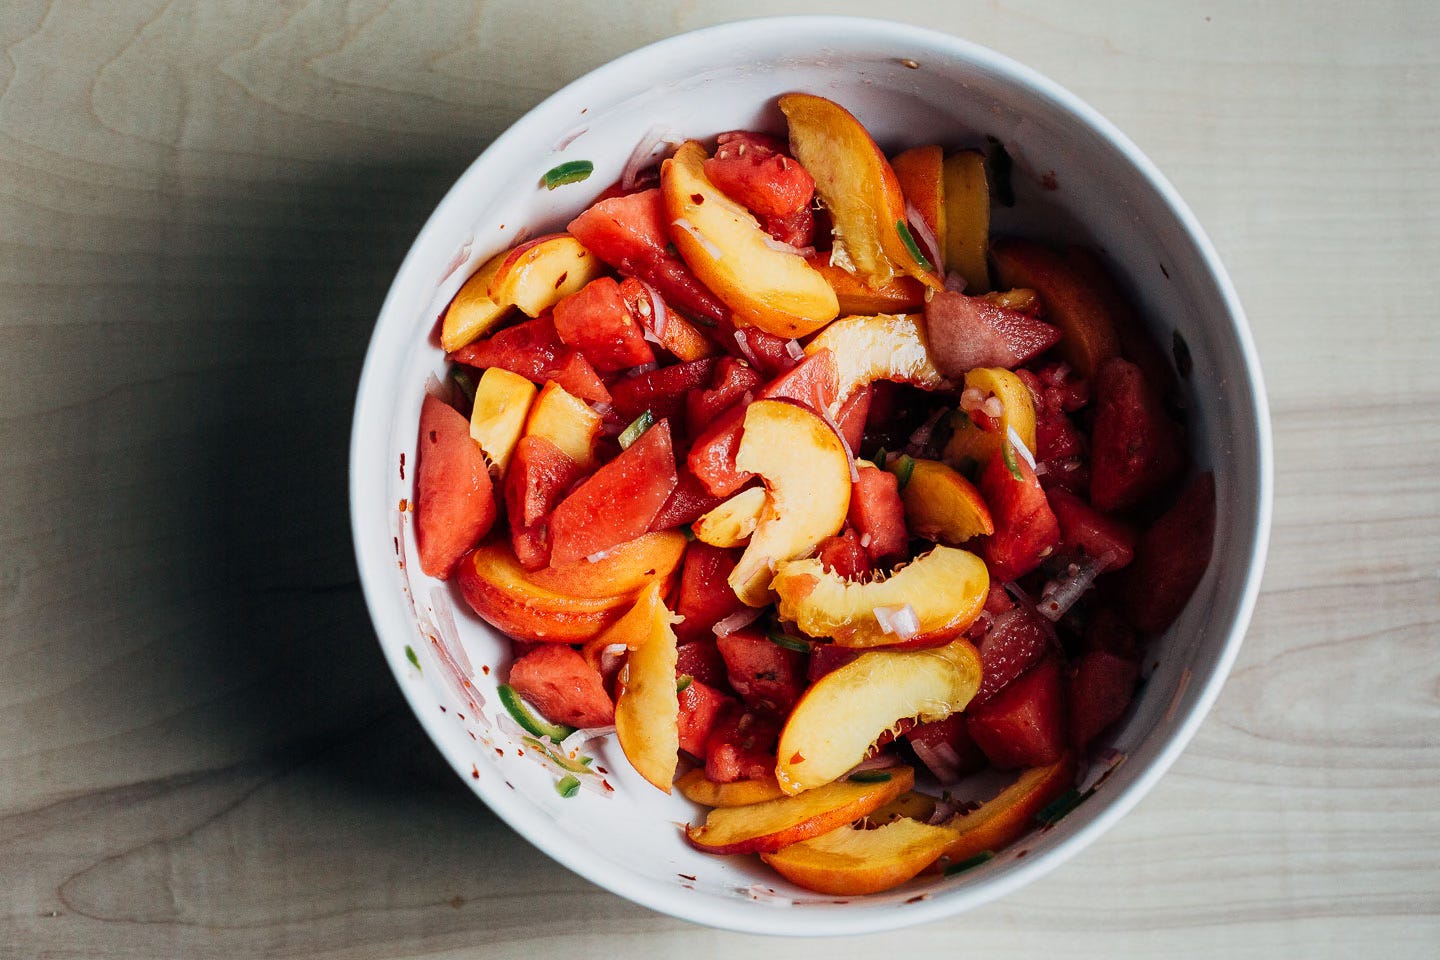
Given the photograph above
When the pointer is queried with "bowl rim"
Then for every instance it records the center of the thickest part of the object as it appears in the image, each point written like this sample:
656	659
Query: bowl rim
856	917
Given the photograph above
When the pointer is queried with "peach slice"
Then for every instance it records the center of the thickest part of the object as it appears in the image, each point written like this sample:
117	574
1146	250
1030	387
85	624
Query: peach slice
849	862
807	478
1072	302
623	572
774	824
472	314
946	589
858	187
910	805
942	505
901	294
882	347
647	711
699	788
566	421
967	219
920	171
733	522
725	246
1018	411
502	401
540	273
1008	816
500	591
841	715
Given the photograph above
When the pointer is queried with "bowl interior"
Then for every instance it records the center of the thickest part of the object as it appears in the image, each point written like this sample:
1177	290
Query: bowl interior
1076	180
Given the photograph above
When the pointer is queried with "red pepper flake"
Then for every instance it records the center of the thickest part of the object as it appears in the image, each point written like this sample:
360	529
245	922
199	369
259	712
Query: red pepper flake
1021	854
918	897
561	279
1049	182
606	785
459	714
442	709
485	669
397	545
600	769
474	772
697	198
798	758
404	504
499	752
509	784
402	466
685	876
519	752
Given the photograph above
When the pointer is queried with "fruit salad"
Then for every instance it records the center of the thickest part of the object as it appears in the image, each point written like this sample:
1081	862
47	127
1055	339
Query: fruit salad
827	500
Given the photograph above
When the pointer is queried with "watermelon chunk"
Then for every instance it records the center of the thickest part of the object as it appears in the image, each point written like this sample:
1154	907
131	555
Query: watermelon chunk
1170	559
700	708
706	597
596	320
741	745
763	673
968	332
877	515
454	497
1026	531
534	351
560	684
1016	641
1101	685
1137	450
1024	724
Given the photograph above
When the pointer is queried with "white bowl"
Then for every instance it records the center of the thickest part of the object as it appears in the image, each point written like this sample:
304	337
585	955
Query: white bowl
909	86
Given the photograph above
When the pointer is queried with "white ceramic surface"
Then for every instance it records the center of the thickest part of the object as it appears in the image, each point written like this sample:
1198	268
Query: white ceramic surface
1105	192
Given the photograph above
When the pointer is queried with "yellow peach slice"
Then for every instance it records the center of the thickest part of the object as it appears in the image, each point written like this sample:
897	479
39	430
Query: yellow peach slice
882	347
1005	818
566	421
1018	411
946	588
807	477
774	824
850	862
967	219
721	241
912	805
472	314
540	273
920	171
624	570
698	788
502	401
841	715
732	522
942	505
647	712
902	294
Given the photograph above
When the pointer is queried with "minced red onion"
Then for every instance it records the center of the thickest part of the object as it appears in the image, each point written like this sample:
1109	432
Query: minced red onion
599	555
780	246
435	388
1020	447
643	155
602	407
865	541
883	760
743	342
793	348
922	231
643	368
972	398
1060	594
922	434
700	238
901	621
940	759
659	314
844	444
737	621
993	408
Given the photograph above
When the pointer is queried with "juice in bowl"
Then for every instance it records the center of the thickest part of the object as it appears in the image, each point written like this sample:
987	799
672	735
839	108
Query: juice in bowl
798	500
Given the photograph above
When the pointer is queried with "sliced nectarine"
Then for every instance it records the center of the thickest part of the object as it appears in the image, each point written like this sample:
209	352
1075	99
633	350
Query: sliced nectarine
502	401
539	273
1017	412
945	588
1072	302
773	824
882	347
699	788
807	477
732	523
721	241
967	219
852	862
942	505
843	713
920	171
647	712
472	314
901	294
502	593
566	421
623	572
1005	818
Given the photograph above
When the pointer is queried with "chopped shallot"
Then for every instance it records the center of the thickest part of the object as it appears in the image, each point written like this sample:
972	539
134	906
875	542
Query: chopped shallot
925	235
644	155
1020	447
643	368
1060	594
902	621
737	621
844	444
971	399
658	320
793	348
921	437
743	342
714	252
993	408
940	758
599	555
780	246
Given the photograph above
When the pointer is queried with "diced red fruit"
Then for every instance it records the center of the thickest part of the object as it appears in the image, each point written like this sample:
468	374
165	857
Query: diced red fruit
1026	531
531	545
764	674
618	502
454	497
539	475
689	502
1085	529
597	321
1108	631
700	708
660	391
560	684
754	171
770	354
705	597
946	748
645	179
852	416
741	745
967	332
700	658
1136	343
676	335
1101	685
842	555
534	351
1136	448
1170	558
796	229
1016	641
628	232
1023	725
825	657
998	600
878	515
729	383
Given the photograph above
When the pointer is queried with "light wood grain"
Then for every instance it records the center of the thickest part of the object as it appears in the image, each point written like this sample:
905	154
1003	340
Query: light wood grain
201	754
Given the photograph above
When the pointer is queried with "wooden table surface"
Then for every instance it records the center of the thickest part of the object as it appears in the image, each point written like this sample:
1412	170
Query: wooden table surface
201	752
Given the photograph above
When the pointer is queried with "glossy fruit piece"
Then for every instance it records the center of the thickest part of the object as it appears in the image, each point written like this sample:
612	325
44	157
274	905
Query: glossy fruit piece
596	320
454	497
698	788
920	173
763	673
539	273
1100	687
534	351
642	478
968	332
1016	640
700	705
774	824
857	185
497	418
972	443
843	555
946	748
1137	343
911	805
742	745
1026	531
705	596
502	592
622	572
883	347
753	170
688	502
566	421
843	713
877	515
1171	558
661	391
630	233
807	477
1024	724
647	710
472	314
967	219
678	336
1085	530
538	477
851	863
900	294
730	381
563	687
851	417
945	587
1008	816
725	246
1071	302
1136	449
941	505
732	522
